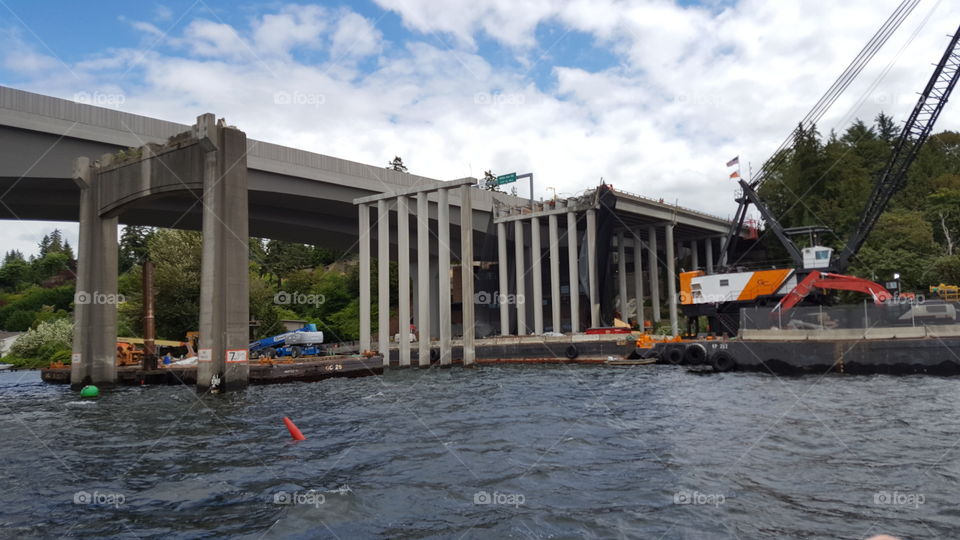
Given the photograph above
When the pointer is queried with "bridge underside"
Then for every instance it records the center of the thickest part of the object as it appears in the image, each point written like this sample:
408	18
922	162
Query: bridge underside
273	215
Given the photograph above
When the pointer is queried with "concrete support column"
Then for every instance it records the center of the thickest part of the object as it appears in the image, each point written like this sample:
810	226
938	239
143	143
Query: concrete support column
423	277
573	261
364	221
554	272
94	315
383	279
592	267
504	286
466	258
443	253
403	279
638	279
709	255
622	275
537	271
694	255
521	276
225	267
653	265
671	279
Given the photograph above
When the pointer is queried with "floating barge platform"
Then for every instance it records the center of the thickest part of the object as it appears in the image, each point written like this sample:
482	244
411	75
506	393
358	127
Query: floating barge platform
933	350
312	369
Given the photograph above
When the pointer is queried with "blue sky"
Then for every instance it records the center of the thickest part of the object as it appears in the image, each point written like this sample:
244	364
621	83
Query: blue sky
655	96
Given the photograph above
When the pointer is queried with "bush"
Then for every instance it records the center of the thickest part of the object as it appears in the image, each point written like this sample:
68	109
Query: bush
19	320
45	340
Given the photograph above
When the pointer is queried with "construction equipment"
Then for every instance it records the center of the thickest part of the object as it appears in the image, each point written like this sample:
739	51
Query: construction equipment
949	293
721	296
304	341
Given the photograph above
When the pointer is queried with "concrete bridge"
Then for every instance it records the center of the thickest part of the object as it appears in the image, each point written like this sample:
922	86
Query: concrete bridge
209	176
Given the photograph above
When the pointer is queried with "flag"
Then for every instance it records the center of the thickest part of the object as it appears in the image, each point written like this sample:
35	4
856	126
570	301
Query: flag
735	174
734	161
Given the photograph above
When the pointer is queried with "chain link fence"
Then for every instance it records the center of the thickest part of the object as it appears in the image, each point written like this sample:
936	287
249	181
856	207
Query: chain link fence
852	317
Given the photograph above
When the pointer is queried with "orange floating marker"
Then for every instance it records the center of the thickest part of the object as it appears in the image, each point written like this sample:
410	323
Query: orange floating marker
293	429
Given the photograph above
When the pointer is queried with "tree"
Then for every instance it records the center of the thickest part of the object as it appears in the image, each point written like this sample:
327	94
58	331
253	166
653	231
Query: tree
397	165
134	246
283	258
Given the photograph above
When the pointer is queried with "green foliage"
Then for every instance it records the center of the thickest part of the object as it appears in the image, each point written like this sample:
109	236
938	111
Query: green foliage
44	343
828	182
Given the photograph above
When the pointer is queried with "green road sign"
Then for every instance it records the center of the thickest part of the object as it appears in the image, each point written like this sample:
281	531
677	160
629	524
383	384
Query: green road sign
506	178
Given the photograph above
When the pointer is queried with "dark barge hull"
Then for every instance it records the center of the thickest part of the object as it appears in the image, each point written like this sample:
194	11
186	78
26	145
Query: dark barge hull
311	370
580	349
930	355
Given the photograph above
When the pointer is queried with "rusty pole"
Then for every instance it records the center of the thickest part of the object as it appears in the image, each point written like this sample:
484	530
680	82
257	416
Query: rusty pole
149	335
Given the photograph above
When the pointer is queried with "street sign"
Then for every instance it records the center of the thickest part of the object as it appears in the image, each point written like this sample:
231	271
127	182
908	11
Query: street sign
506	179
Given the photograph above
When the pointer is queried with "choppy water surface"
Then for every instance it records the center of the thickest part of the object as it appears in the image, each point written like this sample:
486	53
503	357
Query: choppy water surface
493	452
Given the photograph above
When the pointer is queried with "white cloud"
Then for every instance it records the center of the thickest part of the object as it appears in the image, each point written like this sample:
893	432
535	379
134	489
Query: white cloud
693	86
293	26
355	37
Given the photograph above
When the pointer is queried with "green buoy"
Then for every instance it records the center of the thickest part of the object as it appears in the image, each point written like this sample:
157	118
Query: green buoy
89	391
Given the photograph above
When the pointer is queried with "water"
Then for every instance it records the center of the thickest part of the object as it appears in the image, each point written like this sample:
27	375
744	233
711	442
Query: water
555	451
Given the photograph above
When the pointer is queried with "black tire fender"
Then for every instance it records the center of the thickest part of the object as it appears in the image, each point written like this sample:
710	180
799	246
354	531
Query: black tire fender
434	355
723	361
695	355
571	352
674	354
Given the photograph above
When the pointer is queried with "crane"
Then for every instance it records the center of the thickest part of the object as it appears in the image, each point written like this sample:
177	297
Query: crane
721	296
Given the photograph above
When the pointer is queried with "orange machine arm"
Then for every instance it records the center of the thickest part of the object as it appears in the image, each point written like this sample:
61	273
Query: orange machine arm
840	282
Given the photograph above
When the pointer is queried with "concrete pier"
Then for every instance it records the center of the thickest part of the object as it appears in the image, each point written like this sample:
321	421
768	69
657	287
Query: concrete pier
622	275
431	298
671	278
94	316
573	263
383	278
224	316
403	278
653	264
536	255
444	293
364	248
554	273
503	284
466	259
211	159
521	277
423	278
638	279
592	268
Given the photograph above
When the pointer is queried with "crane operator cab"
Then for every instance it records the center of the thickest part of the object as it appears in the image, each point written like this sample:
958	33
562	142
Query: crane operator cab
816	257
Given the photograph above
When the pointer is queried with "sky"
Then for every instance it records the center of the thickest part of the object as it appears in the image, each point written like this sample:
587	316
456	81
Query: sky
652	96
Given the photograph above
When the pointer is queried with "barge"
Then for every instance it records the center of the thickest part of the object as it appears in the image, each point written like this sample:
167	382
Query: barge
306	369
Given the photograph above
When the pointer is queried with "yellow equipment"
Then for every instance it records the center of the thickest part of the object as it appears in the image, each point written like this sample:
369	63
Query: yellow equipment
949	293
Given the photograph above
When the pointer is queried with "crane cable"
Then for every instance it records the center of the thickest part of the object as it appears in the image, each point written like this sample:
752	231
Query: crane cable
853	70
